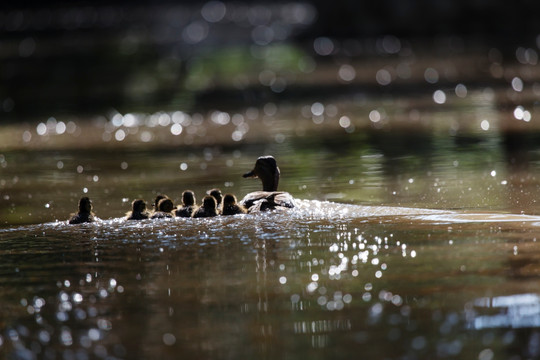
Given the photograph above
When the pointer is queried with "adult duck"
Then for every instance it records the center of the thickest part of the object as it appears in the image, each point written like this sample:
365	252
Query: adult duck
269	198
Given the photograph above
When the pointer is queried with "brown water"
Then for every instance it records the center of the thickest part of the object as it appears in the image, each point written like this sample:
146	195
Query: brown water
440	271
415	235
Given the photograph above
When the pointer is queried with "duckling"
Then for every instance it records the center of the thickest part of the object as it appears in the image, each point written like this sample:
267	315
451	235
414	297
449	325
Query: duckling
85	213
216	193
165	208
188	204
230	207
138	210
269	198
208	208
156	201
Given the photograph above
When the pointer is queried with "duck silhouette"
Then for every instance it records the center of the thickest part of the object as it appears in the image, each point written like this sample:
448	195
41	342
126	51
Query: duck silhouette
188	204
85	214
157	200
208	208
138	210
269	198
216	193
230	207
164	209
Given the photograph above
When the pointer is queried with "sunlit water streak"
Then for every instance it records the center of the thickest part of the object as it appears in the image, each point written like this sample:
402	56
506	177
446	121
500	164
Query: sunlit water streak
305	211
513	311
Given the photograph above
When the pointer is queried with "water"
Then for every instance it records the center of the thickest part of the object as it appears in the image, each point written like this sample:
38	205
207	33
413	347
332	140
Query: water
415	170
445	268
324	279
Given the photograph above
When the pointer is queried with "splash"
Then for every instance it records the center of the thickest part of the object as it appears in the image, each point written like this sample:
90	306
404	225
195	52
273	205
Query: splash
305	211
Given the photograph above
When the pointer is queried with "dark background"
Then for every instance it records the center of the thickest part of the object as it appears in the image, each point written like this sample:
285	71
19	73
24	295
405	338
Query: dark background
496	20
62	57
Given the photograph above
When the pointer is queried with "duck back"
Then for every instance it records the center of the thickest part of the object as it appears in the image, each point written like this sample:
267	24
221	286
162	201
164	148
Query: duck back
185	211
267	200
80	218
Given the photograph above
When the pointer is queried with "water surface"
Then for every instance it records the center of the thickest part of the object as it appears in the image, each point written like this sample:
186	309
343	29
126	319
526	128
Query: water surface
324	280
415	236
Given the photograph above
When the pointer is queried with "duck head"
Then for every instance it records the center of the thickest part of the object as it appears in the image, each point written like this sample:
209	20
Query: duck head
267	170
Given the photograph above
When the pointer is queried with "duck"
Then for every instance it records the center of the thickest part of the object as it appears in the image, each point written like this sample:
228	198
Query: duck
208	208
269	198
216	193
138	210
188	204
85	214
164	209
230	206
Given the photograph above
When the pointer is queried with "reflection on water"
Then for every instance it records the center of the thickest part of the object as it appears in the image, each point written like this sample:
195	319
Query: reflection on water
489	173
514	311
415	235
325	279
336	276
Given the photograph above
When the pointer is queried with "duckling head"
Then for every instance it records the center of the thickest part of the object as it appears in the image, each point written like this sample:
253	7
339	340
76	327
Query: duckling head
229	200
157	200
267	170
85	205
216	193
138	205
165	205
188	198
209	202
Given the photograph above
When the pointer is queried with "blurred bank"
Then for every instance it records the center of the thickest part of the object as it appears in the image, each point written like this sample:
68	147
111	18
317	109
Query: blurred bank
93	59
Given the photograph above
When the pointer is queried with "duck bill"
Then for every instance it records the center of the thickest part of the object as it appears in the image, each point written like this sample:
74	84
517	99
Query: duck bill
250	174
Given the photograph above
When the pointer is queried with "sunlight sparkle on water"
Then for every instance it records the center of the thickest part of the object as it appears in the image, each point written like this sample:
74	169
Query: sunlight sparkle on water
521	114
517	84
169	339
431	75
517	311
383	77
347	73
375	116
461	90
323	46
439	97
120	135
344	122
